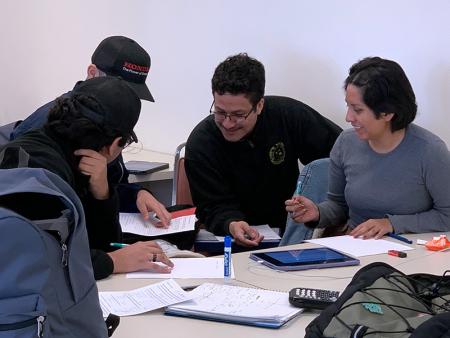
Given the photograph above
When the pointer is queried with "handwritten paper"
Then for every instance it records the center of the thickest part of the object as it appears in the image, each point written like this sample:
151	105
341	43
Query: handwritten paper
240	304
358	247
210	267
135	224
151	297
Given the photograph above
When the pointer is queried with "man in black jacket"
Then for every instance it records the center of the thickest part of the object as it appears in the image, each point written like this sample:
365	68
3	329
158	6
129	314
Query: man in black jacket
85	131
242	160
121	57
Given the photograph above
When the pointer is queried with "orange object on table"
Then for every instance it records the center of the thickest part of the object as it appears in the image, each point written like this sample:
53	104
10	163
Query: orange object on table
438	243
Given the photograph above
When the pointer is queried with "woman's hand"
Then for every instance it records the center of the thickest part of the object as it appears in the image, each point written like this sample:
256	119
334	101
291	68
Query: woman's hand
302	209
372	228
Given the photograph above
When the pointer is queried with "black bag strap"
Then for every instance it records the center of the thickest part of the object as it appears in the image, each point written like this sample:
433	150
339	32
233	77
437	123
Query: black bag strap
112	322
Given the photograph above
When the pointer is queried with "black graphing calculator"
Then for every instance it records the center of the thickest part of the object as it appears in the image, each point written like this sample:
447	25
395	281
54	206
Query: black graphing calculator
312	298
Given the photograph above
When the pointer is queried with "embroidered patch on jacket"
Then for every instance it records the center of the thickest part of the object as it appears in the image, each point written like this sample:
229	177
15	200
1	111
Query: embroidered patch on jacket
277	153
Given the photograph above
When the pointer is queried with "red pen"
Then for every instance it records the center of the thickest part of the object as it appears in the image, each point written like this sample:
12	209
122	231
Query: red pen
396	253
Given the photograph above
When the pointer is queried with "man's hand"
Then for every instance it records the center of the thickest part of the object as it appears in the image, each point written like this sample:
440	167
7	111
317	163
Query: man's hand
140	256
244	235
302	209
94	165
145	202
372	228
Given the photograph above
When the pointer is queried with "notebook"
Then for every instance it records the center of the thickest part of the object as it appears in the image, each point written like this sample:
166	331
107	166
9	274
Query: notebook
144	167
238	305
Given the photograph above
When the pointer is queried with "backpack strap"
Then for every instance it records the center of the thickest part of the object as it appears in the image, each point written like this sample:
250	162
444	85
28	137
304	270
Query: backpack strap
22	156
59	225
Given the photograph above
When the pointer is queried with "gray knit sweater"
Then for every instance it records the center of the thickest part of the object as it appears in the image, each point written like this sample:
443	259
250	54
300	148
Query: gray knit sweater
410	185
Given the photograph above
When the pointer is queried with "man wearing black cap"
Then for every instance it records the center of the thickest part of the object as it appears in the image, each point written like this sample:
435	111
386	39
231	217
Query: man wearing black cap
121	57
87	129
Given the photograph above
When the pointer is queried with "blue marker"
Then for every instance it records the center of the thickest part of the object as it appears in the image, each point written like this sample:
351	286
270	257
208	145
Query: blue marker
400	238
227	257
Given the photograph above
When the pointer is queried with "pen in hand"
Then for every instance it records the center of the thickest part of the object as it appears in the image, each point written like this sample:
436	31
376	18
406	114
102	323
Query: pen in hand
118	245
299	188
298	191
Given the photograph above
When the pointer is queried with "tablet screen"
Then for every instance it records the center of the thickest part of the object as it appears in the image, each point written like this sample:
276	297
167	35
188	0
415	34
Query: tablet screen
304	257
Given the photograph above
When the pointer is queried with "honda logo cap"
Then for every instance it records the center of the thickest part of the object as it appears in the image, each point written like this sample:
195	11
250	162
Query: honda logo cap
123	57
118	104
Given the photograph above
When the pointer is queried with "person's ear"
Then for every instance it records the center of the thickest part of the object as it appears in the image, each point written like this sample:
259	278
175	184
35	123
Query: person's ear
113	150
92	71
387	116
259	106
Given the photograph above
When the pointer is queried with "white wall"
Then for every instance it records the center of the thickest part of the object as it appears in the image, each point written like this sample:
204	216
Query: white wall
307	47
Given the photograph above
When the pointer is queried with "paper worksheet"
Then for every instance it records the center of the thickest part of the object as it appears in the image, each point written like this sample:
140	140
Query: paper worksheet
209	267
151	297
135	224
237	304
358	247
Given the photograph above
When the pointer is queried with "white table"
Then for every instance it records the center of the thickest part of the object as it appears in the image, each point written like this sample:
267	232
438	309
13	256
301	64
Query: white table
251	273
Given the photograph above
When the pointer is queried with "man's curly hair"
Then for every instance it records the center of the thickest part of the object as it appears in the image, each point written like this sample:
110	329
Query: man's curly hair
240	74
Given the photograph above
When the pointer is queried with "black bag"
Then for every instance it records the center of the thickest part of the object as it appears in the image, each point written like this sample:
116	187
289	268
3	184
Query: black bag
381	301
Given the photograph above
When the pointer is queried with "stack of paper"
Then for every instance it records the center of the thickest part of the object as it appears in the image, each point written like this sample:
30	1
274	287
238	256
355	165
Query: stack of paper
210	267
238	305
155	296
359	247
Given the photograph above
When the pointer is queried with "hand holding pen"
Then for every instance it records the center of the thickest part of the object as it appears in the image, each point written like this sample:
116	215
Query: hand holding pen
301	208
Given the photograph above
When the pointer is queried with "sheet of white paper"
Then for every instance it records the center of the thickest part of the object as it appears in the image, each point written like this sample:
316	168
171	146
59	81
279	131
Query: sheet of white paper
267	231
210	267
359	247
236	301
133	223
151	297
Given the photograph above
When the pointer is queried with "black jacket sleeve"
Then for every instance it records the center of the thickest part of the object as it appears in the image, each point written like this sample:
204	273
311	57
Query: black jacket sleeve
102	221
216	203
211	190
102	264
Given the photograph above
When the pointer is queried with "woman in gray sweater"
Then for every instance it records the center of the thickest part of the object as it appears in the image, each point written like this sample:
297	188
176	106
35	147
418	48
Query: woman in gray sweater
386	174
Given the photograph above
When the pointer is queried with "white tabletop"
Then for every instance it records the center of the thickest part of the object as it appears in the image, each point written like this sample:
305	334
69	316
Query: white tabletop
251	273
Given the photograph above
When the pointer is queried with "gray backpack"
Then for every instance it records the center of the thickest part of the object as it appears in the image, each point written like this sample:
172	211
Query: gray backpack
47	287
382	302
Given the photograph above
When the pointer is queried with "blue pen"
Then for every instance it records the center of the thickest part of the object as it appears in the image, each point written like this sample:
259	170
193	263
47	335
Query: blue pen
227	257
118	245
400	238
299	188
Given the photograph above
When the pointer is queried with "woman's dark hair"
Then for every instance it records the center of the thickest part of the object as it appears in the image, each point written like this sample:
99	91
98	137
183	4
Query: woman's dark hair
240	74
67	121
384	89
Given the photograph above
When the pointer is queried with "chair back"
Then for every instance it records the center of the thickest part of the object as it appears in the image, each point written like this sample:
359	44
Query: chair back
181	193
